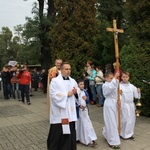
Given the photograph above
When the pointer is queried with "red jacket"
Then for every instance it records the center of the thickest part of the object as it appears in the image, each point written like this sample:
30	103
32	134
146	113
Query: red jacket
25	77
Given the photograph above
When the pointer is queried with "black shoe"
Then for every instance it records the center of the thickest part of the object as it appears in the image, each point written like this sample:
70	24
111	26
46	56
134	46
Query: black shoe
95	143
131	138
22	101
29	103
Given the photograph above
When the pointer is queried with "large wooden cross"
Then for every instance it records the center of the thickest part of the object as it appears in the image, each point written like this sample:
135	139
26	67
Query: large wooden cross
116	31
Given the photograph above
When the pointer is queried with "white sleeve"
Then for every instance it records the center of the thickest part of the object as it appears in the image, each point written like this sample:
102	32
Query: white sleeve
58	97
109	87
136	94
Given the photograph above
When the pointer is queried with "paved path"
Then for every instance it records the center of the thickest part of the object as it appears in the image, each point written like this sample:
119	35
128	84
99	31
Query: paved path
24	127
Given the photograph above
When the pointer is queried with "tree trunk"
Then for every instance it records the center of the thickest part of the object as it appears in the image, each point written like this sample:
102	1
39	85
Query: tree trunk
45	26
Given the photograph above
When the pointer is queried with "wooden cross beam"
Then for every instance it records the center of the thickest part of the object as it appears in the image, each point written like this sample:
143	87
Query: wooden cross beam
116	31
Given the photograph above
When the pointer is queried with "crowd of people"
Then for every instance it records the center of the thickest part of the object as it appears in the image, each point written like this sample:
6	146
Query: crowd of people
68	101
69	105
18	83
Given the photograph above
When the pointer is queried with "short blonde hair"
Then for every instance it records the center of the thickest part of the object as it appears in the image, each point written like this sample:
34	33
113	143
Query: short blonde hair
107	74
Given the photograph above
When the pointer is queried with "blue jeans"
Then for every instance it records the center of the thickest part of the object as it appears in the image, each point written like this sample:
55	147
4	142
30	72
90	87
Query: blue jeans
6	90
93	91
18	90
100	94
15	88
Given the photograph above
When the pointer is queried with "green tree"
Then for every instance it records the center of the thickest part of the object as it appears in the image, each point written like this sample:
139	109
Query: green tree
31	42
135	54
5	40
109	10
45	23
18	30
14	48
104	46
74	32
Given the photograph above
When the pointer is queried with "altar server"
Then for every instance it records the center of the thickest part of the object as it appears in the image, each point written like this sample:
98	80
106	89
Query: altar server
110	131
85	131
128	93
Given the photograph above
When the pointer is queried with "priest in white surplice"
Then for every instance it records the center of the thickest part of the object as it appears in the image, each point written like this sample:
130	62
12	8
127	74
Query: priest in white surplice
62	134
110	131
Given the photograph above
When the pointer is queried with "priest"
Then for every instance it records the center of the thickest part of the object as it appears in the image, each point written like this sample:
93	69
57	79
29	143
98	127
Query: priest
63	88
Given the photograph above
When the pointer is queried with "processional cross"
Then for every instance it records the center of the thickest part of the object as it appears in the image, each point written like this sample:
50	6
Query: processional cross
116	31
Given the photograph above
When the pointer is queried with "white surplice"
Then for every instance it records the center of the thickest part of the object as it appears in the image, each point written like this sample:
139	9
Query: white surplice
110	131
85	131
62	106
129	92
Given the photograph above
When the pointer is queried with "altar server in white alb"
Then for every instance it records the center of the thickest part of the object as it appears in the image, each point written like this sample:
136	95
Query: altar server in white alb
62	134
85	130
128	93
110	131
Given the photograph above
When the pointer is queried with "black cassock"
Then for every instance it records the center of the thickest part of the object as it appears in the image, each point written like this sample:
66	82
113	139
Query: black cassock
61	141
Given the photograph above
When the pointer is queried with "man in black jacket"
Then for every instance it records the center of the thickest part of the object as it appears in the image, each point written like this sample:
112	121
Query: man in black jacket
6	82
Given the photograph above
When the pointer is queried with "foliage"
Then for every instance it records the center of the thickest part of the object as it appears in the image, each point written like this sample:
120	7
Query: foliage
104	46
45	25
135	54
31	43
23	46
110	9
8	46
74	32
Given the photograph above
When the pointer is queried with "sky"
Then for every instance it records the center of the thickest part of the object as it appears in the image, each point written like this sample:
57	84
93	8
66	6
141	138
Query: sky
13	12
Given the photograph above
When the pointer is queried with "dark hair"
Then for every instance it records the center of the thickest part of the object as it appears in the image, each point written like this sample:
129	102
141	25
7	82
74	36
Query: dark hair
64	63
108	66
58	59
80	80
108	73
89	62
99	67
92	66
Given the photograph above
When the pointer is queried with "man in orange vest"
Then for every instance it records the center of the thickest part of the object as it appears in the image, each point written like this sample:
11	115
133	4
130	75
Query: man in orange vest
52	73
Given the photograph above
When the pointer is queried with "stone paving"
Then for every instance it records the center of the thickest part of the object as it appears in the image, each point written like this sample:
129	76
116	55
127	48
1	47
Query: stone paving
25	127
